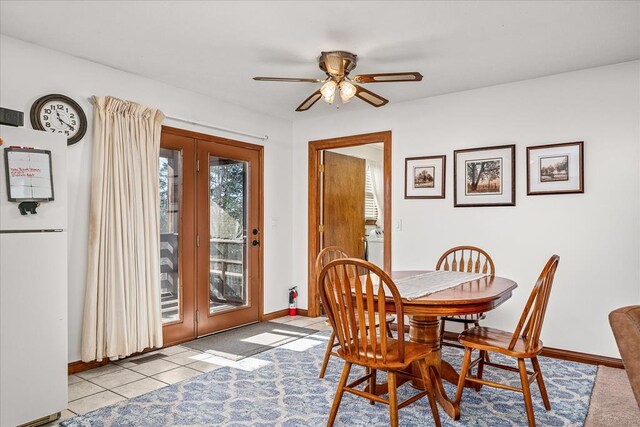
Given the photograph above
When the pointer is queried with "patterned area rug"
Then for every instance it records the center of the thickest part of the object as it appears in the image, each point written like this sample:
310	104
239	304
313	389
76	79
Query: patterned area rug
284	390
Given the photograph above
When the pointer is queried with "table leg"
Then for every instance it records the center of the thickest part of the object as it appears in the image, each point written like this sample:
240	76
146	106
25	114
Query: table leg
426	330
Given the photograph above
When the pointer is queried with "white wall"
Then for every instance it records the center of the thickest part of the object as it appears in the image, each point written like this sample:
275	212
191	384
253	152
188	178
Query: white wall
596	234
28	72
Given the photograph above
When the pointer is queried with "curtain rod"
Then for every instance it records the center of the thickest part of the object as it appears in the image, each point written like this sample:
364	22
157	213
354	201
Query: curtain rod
220	128
223	129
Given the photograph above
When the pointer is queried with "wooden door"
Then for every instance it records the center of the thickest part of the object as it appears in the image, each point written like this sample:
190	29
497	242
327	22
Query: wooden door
343	219
229	181
177	237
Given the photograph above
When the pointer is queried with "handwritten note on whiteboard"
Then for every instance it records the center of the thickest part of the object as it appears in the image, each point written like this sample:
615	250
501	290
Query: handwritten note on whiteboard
29	174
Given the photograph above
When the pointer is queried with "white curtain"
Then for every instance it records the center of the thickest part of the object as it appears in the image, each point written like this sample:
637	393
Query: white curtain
122	301
377	182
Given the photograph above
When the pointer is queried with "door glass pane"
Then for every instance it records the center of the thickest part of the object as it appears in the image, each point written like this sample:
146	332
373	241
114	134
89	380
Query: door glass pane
170	187
227	229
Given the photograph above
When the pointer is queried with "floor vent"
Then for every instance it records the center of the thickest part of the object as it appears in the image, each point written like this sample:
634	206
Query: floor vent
42	421
149	358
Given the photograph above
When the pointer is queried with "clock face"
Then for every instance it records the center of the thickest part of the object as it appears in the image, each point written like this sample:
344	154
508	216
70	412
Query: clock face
59	114
60	117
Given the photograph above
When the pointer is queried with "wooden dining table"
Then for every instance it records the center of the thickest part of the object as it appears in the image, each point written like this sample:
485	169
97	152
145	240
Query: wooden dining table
477	296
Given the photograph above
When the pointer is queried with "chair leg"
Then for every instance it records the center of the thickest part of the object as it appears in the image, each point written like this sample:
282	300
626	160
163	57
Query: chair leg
541	386
463	374
393	398
389	332
483	356
426	377
527	392
327	354
372	383
339	393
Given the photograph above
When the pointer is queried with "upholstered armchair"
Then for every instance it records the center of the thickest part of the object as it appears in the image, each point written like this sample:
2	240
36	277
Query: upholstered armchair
625	323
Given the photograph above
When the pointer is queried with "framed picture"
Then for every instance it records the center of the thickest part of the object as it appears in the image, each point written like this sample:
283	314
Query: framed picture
555	169
484	176
424	177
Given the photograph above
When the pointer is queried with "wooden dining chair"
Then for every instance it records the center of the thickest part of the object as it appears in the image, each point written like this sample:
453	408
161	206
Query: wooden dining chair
468	259
353	290
523	343
325	256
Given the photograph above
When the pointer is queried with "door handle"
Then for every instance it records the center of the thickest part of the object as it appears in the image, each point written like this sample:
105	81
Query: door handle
255	242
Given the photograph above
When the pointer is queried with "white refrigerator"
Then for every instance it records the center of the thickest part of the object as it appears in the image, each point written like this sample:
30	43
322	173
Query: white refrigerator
33	290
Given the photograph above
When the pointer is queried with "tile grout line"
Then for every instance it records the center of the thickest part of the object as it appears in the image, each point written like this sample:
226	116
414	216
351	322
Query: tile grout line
119	385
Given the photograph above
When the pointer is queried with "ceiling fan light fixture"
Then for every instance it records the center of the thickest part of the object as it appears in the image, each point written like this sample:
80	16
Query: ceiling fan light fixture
328	91
347	91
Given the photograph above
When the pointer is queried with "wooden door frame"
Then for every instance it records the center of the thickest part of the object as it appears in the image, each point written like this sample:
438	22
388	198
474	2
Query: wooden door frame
240	144
314	206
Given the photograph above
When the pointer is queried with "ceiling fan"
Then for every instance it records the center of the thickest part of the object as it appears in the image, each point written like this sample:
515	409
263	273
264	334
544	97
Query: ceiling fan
337	65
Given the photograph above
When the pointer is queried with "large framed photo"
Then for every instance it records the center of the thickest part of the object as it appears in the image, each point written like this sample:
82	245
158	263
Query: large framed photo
555	168
484	176
424	177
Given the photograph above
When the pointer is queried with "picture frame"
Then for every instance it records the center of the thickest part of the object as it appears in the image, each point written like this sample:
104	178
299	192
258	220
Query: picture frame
425	177
484	176
555	168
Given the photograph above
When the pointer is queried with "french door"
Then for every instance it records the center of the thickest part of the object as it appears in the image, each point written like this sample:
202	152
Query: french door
210	233
228	239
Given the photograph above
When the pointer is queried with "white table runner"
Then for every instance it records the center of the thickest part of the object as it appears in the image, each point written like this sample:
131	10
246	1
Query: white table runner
424	284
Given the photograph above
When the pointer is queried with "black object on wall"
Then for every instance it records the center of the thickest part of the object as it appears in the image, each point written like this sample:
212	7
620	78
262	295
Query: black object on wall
11	117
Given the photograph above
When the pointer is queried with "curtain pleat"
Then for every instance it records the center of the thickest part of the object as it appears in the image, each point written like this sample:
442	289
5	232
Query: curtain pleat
122	301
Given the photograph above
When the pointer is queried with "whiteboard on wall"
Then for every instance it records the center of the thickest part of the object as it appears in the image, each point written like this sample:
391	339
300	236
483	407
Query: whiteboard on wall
29	174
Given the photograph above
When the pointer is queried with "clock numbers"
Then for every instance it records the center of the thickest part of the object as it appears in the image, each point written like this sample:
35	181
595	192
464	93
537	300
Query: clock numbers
59	114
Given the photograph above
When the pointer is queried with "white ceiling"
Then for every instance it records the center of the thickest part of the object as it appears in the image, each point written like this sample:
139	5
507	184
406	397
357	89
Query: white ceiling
215	48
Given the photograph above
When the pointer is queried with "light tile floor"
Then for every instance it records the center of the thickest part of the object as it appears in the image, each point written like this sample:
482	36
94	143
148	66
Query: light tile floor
133	376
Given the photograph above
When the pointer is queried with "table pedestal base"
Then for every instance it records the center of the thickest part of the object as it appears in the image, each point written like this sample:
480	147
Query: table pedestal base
426	330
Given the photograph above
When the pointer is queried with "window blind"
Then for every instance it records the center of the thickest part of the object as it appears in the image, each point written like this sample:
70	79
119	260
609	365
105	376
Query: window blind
370	208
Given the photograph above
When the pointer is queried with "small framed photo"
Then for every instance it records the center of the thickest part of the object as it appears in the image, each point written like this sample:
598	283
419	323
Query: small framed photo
484	176
424	177
555	169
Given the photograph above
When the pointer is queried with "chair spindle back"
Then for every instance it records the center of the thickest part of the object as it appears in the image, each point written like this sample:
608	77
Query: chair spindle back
327	255
530	323
468	259
353	291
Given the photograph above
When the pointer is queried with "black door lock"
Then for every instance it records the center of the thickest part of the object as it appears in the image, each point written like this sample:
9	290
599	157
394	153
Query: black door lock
255	231
255	242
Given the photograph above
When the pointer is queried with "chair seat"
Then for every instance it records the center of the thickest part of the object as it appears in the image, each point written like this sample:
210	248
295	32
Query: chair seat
496	340
412	351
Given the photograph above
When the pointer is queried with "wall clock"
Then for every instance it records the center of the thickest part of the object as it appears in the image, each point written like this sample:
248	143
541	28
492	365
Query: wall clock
59	114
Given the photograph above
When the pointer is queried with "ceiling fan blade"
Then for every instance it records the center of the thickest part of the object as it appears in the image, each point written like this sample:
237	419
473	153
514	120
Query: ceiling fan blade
388	77
287	79
308	103
370	97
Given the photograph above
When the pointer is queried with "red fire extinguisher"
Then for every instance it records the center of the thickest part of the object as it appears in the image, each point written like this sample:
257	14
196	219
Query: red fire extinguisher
293	295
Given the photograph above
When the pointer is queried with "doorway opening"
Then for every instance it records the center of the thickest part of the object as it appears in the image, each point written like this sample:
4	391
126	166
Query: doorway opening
349	201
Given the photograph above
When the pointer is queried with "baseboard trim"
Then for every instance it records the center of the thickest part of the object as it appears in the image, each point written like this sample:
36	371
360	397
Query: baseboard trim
274	315
557	353
576	356
569	355
80	366
283	313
